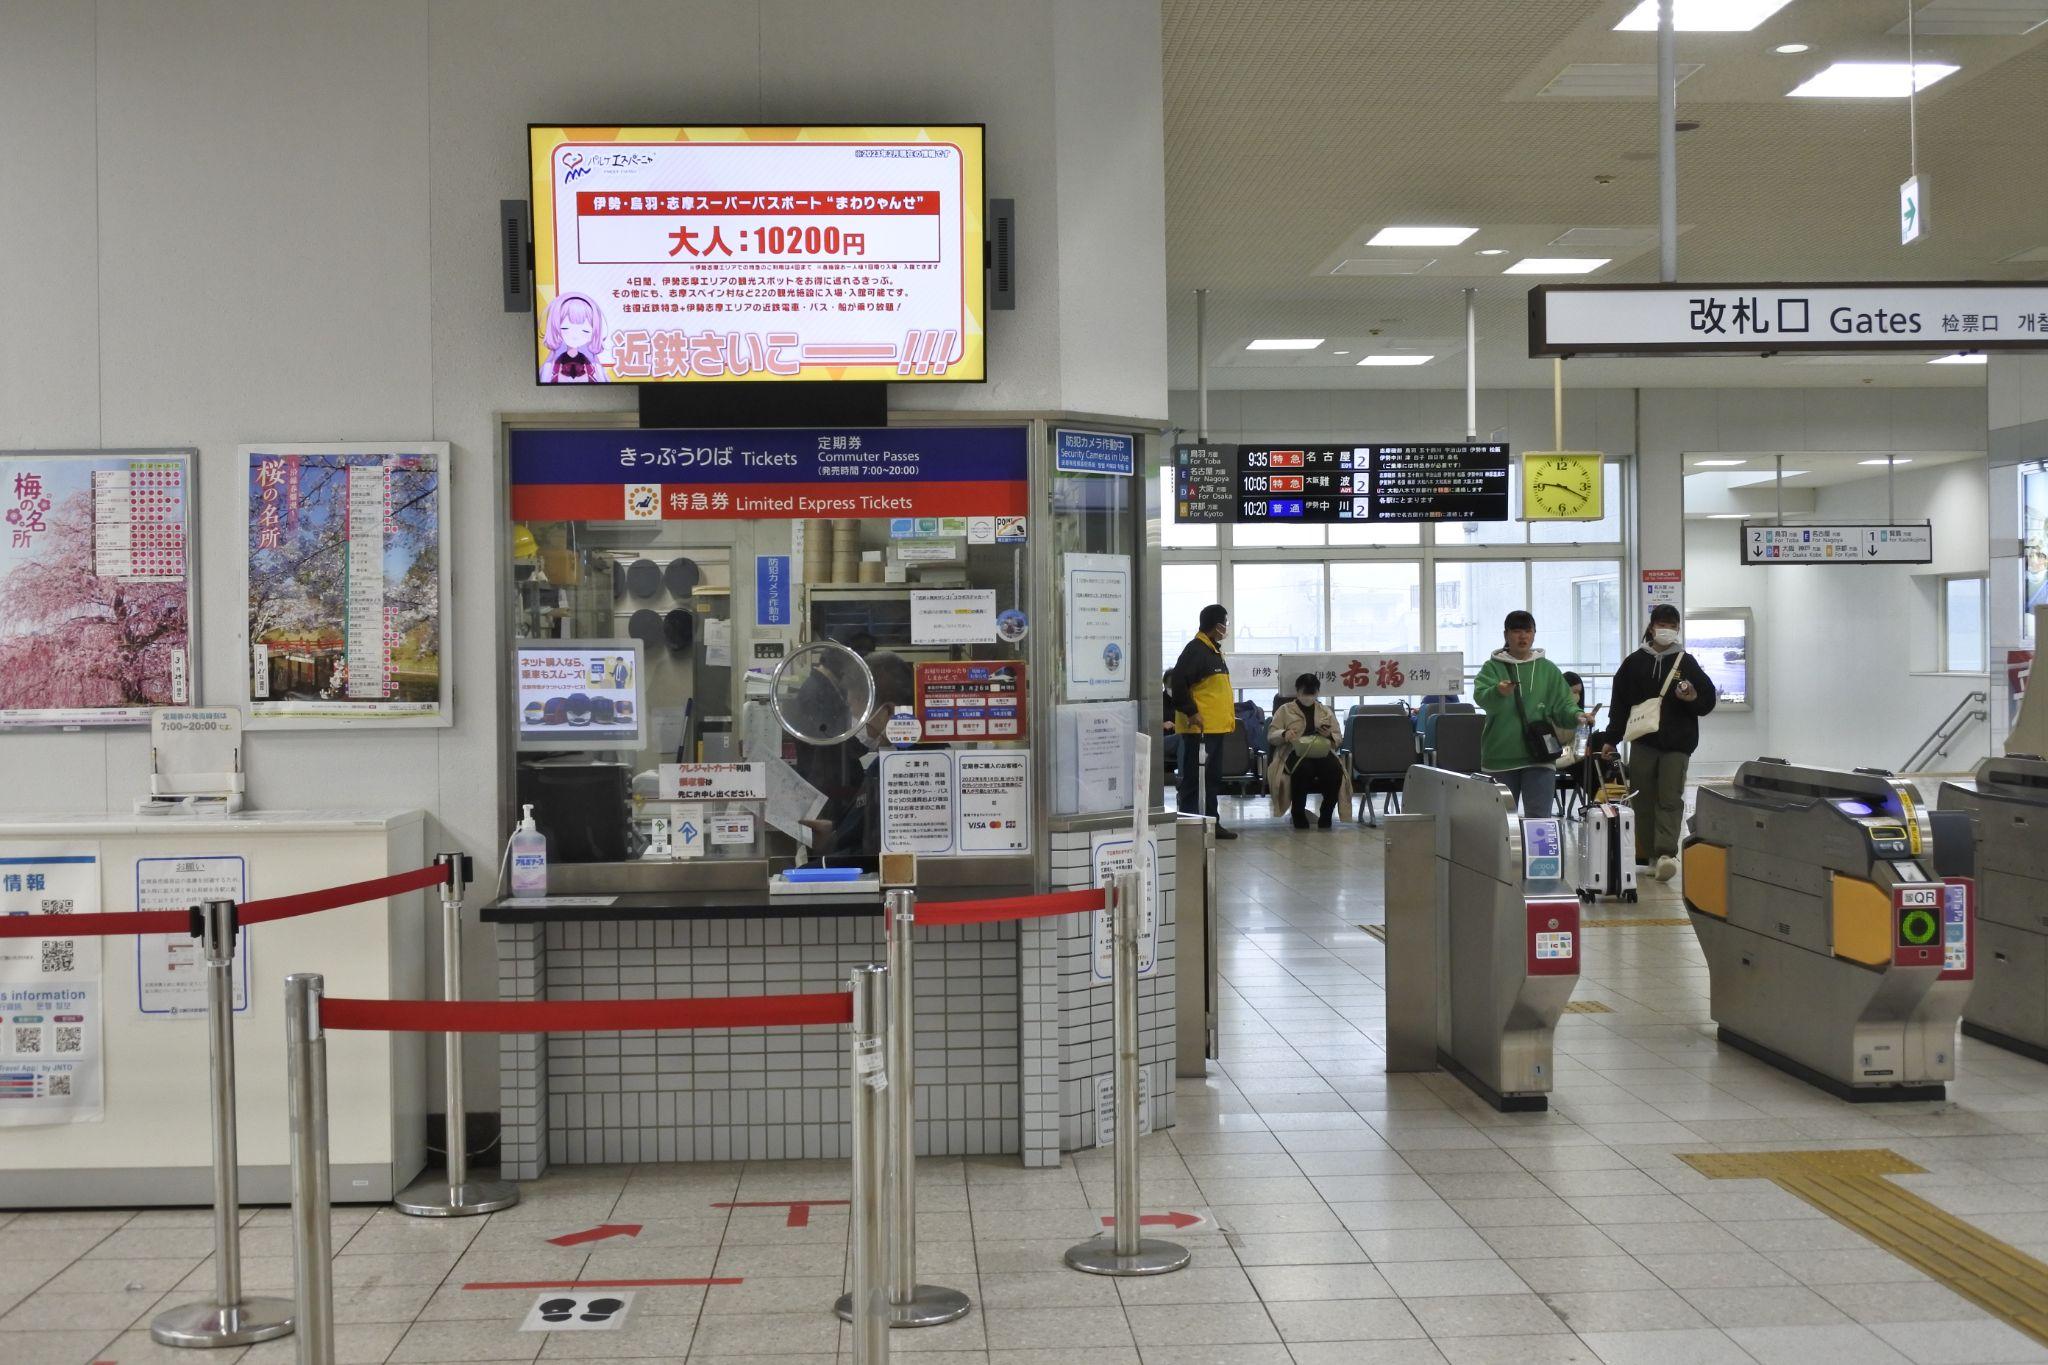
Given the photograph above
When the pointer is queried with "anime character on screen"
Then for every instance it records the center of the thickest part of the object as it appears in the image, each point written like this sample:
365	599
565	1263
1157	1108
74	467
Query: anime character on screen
575	342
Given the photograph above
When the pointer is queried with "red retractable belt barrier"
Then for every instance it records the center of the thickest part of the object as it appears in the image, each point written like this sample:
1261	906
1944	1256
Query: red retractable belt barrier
584	1016
247	913
1010	908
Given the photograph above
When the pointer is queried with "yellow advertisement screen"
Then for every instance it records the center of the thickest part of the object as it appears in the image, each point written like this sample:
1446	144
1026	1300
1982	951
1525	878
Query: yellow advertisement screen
679	255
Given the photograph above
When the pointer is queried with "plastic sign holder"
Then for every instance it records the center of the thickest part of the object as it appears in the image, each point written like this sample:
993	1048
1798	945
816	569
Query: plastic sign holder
195	761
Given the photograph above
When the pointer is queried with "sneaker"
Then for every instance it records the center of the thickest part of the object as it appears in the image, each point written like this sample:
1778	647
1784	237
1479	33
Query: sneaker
1667	868
1300	820
1222	833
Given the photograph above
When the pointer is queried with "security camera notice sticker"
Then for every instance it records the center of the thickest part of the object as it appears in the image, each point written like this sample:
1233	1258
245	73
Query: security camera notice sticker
570	1310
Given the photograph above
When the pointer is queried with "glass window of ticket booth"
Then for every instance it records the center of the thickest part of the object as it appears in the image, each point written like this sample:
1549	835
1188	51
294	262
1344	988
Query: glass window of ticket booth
658	583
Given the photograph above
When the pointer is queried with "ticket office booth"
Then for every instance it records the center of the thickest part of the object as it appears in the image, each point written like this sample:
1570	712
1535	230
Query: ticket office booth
678	618
1000	603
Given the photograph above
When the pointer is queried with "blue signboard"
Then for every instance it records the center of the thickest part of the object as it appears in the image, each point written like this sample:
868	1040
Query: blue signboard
1094	452
1542	850
771	590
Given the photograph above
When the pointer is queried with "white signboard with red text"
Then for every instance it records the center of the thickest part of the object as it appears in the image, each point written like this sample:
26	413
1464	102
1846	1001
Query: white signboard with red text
1372	673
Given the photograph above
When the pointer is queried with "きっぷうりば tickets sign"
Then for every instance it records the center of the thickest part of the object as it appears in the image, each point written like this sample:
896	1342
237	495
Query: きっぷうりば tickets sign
668	255
662	474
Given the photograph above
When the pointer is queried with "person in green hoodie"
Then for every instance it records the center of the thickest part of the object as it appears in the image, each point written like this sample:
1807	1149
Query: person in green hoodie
1520	691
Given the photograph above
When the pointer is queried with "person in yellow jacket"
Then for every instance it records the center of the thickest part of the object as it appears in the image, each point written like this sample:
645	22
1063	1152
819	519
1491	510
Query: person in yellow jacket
1205	712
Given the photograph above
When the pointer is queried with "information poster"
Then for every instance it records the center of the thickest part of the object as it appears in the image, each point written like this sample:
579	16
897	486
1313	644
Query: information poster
957	616
578	694
50	992
995	801
1663	588
918	801
1098	627
1110	852
95	578
971	701
346	583
1091	768
170	969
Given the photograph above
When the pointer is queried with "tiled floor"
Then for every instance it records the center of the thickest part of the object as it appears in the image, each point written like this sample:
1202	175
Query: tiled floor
1350	1216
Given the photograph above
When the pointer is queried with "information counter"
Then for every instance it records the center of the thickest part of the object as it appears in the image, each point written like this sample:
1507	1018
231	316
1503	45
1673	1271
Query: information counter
135	1128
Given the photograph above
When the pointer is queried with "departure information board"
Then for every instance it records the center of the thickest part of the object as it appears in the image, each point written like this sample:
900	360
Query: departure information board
1414	482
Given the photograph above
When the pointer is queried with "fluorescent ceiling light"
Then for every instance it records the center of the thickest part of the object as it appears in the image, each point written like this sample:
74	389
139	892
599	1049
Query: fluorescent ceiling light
1887	463
1420	236
1871	80
1717	464
1285	344
1960	359
1792	49
1556	265
1727	516
1340	353
1702	16
1493	251
1397	360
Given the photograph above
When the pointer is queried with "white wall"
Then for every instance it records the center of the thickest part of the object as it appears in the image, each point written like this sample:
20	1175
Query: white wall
247	220
1843	661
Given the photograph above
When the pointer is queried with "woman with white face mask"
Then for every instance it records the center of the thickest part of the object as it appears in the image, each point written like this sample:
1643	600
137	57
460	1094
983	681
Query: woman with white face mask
1305	736
1661	672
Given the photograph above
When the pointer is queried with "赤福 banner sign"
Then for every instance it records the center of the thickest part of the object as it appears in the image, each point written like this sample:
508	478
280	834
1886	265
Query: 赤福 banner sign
1371	673
1600	319
656	474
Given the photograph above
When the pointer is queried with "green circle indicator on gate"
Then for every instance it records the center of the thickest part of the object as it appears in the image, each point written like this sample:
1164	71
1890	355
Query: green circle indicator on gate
1918	928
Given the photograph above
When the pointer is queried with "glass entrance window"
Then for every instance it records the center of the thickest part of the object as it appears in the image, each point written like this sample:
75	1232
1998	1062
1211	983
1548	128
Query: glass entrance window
1375	605
1184	589
1277	608
1577	603
1473	597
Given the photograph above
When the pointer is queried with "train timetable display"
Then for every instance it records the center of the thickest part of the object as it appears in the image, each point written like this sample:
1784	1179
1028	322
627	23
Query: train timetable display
1407	482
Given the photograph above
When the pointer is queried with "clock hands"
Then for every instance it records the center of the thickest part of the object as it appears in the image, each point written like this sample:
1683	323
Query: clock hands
1562	488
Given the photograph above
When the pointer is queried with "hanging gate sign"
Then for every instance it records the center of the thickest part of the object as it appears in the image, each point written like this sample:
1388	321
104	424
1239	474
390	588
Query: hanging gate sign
1838	544
1651	319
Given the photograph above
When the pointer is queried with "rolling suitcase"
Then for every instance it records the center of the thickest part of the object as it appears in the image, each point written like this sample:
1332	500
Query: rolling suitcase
1607	837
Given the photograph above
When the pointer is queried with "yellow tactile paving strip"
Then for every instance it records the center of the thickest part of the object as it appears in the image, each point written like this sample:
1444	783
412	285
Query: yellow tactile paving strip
1850	1187
1588	1007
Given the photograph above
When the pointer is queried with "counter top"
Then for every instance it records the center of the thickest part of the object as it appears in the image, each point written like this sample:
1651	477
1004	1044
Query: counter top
244	822
741	903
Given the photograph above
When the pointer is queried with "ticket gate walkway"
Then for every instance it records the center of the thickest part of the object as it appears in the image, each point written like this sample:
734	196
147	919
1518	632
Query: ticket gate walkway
2009	1004
1482	938
1835	912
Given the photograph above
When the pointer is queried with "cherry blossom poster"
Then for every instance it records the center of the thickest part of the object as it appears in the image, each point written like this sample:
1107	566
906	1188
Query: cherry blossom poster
95	586
346	580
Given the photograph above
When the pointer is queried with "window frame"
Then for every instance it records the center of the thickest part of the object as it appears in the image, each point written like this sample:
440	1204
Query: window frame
1941	657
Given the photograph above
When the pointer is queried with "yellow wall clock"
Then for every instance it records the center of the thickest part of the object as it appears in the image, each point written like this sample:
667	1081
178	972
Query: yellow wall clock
1562	485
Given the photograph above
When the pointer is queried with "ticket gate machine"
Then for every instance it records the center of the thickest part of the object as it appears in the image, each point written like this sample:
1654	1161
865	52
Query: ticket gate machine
2009	1005
1507	933
1837	920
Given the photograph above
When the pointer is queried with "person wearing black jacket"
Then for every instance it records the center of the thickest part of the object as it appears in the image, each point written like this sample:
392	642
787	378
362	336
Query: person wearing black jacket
1658	760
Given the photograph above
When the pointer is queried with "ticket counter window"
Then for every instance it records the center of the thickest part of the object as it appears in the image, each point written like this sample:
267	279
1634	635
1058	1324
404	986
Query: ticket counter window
704	613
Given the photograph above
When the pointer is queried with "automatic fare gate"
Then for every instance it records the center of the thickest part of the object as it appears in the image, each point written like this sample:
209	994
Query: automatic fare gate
2009	1005
1836	917
1482	895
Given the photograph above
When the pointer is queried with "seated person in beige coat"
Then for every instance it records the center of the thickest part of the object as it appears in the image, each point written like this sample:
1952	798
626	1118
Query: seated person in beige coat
1305	763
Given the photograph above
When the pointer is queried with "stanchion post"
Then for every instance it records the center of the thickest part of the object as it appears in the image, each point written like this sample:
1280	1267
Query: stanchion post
869	1080
312	1231
910	1304
231	1319
454	1195
1124	1251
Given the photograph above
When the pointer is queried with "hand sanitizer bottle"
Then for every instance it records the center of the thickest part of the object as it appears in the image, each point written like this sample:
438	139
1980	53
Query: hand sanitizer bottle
529	858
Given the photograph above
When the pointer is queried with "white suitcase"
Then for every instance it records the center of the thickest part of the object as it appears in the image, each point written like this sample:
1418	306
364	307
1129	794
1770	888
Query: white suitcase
1607	852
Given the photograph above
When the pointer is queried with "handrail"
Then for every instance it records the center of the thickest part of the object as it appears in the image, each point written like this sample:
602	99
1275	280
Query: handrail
1936	745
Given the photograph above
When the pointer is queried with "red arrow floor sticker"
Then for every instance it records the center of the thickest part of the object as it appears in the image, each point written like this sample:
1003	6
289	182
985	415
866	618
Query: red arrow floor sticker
799	1209
596	1234
1159	1220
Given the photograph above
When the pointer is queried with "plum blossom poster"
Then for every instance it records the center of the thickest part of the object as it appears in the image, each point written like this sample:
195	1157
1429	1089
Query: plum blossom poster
95	586
346	581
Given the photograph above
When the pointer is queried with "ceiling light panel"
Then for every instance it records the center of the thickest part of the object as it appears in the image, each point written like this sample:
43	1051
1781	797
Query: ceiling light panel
1871	80
1718	464
1581	237
1397	360
1960	360
1421	236
1977	18
1702	16
1610	81
1887	463
1285	344
1556	265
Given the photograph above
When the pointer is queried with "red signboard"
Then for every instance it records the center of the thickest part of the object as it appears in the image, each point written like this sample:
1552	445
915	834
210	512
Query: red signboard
1554	937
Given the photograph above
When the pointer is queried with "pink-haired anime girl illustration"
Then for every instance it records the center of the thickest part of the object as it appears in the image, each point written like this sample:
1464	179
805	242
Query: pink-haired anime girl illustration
575	341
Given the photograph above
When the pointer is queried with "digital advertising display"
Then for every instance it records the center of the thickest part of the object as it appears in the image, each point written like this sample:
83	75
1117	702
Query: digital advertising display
579	694
670	255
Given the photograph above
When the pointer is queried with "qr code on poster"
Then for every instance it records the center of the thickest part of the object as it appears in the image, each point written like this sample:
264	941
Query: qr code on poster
60	955
60	1085
27	1040
70	1038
